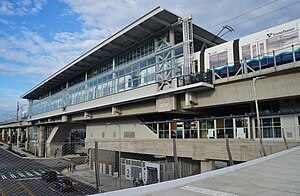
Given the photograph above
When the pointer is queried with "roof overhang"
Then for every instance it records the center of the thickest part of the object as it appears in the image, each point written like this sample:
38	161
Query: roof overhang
140	29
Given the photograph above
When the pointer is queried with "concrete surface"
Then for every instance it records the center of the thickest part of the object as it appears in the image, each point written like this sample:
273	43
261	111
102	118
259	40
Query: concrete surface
276	174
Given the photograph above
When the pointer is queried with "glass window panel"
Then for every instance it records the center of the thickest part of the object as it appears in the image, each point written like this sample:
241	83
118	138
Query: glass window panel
151	61
143	64
262	49
223	58
273	43
128	70
213	61
178	51
289	38
254	51
246	54
135	67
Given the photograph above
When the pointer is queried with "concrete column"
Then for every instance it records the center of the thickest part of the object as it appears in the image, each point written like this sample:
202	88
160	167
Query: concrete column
3	133
207	165
26	136
249	128
18	137
172	37
215	128
9	135
234	128
22	135
253	128
41	141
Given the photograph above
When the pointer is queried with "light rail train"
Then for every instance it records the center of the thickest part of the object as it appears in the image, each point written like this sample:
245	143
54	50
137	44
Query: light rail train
271	47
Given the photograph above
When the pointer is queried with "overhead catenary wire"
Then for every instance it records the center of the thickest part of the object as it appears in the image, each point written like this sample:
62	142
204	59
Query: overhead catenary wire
264	5
237	24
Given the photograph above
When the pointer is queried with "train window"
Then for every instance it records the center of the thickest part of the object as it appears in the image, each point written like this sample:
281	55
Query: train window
213	60
246	54
254	51
261	49
282	41
273	43
289	38
218	60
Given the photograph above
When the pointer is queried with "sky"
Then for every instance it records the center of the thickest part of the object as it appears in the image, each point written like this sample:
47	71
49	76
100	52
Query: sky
38	37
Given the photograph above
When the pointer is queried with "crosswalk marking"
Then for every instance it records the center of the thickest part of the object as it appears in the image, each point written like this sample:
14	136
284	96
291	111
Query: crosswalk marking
36	173
28	173
42	171
20	174
23	174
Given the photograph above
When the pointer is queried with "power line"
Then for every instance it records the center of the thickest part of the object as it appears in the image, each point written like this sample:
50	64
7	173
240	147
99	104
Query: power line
244	14
266	13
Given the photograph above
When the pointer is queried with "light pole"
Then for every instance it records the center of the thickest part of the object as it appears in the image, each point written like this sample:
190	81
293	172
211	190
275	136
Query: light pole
257	114
120	162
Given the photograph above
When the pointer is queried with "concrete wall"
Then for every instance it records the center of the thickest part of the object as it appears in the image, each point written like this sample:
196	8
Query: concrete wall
130	128
271	87
197	149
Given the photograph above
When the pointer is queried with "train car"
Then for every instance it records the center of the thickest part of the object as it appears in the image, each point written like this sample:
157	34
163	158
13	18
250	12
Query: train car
259	50
220	58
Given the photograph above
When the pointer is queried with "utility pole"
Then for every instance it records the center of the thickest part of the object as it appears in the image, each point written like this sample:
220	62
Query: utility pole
18	108
257	116
97	168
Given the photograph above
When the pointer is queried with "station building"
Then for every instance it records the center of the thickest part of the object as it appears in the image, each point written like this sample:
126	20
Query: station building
147	85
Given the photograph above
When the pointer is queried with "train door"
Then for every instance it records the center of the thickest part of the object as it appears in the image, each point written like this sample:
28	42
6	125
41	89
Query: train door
254	51
262	48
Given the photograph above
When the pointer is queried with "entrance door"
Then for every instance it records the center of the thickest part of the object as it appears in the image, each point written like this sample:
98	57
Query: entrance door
152	175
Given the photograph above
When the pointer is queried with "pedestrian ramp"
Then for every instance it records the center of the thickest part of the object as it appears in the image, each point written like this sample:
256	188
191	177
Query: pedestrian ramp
34	173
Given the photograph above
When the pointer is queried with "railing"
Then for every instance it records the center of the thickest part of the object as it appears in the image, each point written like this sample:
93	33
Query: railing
258	63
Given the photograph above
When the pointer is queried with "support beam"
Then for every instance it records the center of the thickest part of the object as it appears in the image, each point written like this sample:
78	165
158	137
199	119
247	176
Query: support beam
207	165
146	29
116	45
161	21
26	139
41	141
3	133
9	135
130	38
18	137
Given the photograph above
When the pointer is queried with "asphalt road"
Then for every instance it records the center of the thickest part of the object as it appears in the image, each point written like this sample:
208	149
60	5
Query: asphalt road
23	177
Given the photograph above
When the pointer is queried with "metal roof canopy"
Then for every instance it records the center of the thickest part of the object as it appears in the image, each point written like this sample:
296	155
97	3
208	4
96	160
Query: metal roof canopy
142	28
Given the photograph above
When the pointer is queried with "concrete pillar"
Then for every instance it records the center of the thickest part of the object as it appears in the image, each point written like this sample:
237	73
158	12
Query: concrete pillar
253	128
234	128
215	128
249	128
9	135
3	133
18	137
26	136
172	37
41	141
207	165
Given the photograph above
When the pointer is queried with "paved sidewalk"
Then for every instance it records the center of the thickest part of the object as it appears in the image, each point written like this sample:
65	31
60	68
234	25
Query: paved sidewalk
108	183
276	174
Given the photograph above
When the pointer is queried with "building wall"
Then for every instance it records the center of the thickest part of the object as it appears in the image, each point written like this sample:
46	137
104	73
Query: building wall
130	128
241	91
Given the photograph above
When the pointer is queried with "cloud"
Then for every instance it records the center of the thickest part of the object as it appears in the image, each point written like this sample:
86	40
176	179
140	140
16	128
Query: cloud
21	8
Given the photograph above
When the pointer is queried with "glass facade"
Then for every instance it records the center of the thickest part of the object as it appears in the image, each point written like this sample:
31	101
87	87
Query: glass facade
144	68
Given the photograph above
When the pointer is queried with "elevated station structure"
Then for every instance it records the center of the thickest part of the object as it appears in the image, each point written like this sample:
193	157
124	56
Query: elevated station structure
147	84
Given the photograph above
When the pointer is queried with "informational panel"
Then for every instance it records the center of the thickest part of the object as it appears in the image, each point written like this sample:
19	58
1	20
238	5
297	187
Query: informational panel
210	133
240	132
